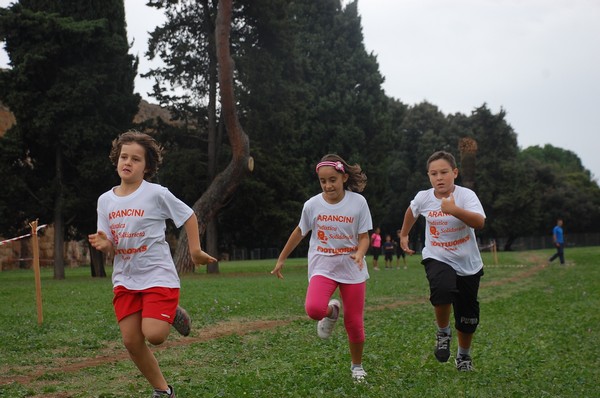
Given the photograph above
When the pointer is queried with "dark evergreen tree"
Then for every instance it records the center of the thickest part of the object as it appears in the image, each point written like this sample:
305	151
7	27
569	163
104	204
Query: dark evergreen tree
566	189
505	188
307	88
70	87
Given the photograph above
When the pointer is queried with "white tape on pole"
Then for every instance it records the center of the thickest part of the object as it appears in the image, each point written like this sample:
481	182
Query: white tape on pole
22	236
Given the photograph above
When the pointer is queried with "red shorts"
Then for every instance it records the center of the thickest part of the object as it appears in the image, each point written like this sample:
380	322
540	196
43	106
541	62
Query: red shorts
155	302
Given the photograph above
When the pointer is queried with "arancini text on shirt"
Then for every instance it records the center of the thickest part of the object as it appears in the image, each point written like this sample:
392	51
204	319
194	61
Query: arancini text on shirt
335	218
437	213
126	213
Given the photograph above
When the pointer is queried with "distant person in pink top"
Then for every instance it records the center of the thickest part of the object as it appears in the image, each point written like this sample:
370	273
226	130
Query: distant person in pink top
376	247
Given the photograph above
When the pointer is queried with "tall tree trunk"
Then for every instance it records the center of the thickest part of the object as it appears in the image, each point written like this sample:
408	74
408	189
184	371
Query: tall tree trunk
59	227
225	183
97	262
212	245
468	158
26	252
212	233
508	244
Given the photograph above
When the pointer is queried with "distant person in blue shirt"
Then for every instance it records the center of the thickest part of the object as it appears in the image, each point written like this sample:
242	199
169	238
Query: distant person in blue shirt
559	241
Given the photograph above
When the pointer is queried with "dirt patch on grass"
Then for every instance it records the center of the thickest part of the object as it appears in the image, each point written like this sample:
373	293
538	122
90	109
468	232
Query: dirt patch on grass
116	353
528	273
216	331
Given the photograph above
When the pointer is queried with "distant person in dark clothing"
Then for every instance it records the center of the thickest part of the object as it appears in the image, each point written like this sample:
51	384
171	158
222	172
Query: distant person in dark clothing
388	251
559	241
399	251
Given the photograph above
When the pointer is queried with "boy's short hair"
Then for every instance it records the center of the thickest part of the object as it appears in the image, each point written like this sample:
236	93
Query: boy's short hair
447	156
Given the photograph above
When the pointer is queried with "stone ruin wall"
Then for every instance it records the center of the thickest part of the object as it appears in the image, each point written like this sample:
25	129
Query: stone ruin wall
18	254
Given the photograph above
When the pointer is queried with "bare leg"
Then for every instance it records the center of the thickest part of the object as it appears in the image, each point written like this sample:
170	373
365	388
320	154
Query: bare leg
464	339
135	342
442	314
356	352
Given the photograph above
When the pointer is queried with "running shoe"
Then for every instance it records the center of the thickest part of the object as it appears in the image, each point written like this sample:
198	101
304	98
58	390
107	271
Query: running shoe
164	394
325	325
358	374
182	322
442	346
464	363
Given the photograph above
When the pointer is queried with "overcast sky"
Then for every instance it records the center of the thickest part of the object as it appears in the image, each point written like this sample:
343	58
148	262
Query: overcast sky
539	60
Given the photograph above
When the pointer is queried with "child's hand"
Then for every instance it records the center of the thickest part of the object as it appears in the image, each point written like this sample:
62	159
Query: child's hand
448	205
200	257
404	245
277	270
99	241
358	260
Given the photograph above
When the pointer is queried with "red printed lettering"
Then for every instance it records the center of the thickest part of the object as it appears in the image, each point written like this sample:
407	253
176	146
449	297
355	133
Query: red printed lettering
131	250
335	218
126	213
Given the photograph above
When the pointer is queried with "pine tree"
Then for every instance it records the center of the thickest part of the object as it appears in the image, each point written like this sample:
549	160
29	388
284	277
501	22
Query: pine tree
70	87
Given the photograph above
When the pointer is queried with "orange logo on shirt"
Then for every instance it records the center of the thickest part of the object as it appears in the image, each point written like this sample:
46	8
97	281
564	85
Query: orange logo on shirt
322	237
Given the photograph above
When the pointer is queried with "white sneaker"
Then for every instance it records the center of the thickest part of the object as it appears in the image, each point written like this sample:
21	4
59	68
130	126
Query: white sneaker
359	374
325	325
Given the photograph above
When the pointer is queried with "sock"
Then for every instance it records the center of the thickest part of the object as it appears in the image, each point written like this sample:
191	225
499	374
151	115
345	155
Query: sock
463	352
356	365
446	330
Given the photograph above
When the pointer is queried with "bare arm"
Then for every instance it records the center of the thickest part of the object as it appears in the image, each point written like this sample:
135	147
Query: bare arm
293	241
409	222
198	255
363	245
100	241
472	219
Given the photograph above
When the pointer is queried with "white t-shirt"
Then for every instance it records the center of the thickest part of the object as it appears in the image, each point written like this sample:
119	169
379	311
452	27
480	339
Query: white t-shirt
448	239
136	225
335	229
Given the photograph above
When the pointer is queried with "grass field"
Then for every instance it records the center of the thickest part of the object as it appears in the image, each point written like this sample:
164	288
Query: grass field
539	335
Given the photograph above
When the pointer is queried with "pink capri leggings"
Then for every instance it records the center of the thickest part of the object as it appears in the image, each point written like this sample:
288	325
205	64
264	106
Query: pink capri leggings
320	289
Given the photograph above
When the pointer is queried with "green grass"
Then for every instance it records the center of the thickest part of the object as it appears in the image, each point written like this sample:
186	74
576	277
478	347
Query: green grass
538	336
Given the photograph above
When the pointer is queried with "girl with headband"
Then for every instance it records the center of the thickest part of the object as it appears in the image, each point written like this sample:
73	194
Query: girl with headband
339	219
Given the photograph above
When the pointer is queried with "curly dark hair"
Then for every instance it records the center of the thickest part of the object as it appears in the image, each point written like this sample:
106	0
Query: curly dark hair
152	148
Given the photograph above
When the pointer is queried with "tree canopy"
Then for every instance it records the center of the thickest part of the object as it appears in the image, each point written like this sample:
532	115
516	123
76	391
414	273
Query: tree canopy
305	86
70	87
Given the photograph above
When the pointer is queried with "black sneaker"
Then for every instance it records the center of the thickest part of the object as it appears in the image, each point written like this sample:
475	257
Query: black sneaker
442	346
182	322
464	363
164	394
